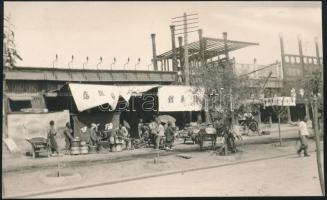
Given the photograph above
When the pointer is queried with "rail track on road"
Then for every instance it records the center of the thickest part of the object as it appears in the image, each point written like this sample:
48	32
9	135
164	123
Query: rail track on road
30	195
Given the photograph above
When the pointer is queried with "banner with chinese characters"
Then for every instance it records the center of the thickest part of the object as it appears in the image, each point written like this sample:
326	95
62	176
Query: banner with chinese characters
87	96
279	101
180	98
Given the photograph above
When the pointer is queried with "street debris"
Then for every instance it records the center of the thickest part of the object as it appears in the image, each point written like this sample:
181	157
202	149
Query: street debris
186	156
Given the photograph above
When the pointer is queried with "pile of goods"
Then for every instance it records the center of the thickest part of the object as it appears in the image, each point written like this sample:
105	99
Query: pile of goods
84	148
79	147
75	149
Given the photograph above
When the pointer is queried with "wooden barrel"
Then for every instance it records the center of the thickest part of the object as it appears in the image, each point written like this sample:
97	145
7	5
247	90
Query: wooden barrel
93	149
75	151
119	146
84	150
113	148
75	142
129	144
112	140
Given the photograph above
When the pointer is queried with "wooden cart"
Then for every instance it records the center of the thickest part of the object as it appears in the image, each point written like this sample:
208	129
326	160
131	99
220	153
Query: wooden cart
39	144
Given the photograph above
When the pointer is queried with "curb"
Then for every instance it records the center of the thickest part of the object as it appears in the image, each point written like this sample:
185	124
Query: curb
104	159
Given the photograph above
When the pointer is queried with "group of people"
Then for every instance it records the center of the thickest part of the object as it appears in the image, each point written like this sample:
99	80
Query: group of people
158	133
91	136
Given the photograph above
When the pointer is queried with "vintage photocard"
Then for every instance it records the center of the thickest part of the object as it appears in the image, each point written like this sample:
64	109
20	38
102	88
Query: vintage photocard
162	99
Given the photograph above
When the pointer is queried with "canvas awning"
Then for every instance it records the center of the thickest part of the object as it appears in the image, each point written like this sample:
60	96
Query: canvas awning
180	98
88	96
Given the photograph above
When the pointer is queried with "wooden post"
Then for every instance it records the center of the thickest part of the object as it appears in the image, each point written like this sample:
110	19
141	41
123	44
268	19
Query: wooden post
279	133
318	150
289	119
154	52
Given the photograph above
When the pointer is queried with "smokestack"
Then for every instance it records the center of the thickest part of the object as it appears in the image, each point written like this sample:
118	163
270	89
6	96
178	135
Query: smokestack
154	52
301	54
172	29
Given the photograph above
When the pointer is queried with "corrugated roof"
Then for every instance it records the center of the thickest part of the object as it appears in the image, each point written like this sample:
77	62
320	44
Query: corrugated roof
213	47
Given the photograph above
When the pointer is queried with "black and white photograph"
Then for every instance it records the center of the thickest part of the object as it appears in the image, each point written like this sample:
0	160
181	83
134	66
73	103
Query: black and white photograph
136	99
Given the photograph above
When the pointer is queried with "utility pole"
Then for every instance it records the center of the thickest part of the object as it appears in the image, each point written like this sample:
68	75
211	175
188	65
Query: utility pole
186	63
317	139
184	22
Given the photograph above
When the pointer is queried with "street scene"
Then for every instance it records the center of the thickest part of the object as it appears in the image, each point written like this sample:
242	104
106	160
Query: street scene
174	99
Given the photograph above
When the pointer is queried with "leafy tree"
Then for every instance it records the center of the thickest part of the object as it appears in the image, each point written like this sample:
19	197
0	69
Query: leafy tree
10	54
214	77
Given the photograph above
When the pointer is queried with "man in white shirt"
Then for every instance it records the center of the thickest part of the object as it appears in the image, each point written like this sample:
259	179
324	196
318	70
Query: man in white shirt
303	135
161	134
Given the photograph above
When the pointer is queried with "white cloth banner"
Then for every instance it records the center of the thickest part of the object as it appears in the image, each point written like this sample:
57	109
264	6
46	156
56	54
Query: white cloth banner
87	96
279	101
180	98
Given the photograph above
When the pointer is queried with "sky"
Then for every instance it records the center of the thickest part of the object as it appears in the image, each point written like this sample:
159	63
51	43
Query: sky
122	29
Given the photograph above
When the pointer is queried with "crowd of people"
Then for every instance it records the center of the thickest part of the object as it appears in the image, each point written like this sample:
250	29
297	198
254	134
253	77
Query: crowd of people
156	133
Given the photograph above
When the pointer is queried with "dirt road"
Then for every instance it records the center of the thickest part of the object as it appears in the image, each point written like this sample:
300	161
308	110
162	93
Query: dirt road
286	176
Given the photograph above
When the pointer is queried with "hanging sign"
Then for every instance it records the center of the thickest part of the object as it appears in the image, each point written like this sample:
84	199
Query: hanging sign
279	101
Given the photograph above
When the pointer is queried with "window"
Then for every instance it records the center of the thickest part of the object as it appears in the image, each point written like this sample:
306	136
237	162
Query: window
17	105
315	61
297	59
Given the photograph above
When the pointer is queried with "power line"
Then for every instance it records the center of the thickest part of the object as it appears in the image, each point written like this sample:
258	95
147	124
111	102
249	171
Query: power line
184	16
183	20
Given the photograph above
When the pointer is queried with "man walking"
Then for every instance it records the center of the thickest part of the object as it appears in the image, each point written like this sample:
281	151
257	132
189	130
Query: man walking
51	138
170	136
303	135
68	137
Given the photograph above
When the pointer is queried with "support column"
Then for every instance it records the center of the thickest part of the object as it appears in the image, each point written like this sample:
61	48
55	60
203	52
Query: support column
154	52
201	48
317	51
165	64
174	61
226	46
301	55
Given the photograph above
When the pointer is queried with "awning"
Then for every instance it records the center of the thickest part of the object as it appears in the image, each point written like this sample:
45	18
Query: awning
88	96
180	98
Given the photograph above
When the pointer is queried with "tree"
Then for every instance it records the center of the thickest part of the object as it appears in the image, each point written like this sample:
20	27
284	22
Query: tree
10	54
221	78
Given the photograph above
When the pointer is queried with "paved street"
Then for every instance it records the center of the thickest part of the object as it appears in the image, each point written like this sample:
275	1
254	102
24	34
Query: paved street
262	176
286	176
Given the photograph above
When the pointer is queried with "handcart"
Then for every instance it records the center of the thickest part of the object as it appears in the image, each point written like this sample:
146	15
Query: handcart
39	144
